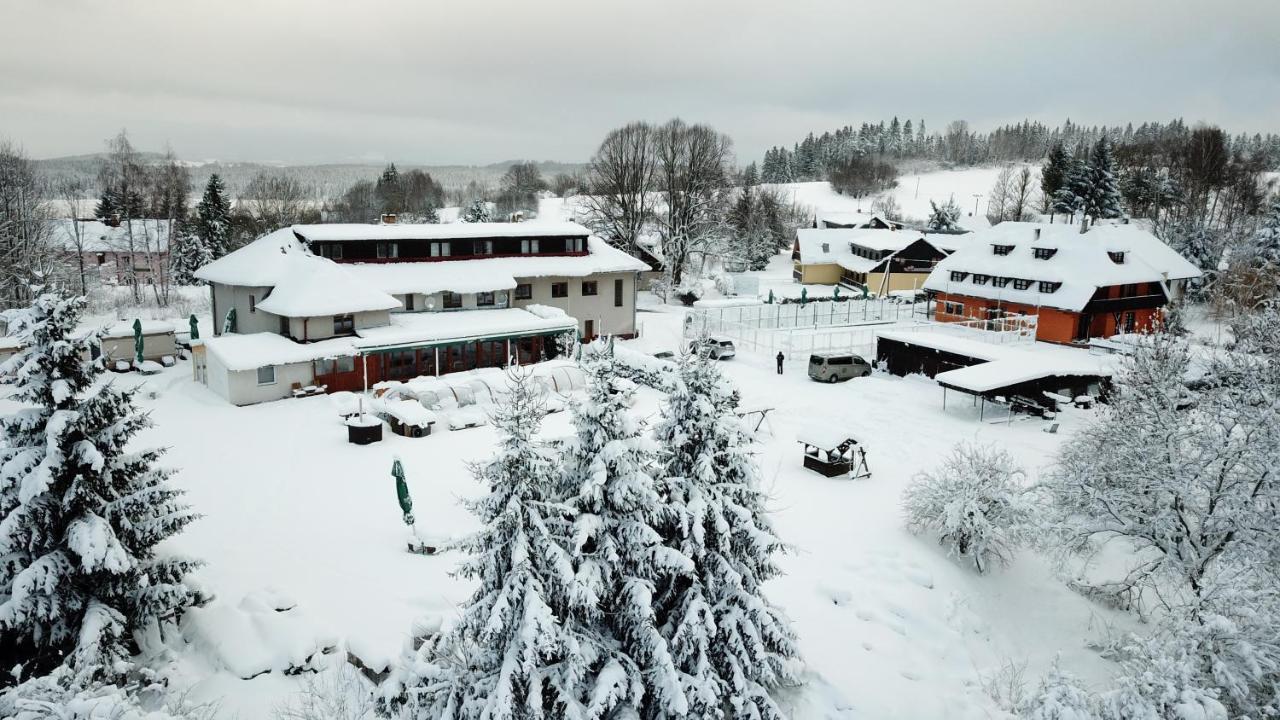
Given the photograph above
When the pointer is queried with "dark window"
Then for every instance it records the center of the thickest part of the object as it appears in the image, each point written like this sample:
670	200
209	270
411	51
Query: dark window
439	249
102	258
846	360
589	287
267	375
981	279
253	304
332	251
958	276
452	300
1000	281
560	289
1116	256
1020	284
344	324
329	366
1001	249
617	292
1044	253
953	308
1049	287
408	301
484	247
484	299
529	247
284	325
524	291
388	250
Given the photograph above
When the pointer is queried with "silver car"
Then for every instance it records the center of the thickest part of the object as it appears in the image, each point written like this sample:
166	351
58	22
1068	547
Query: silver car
713	348
836	367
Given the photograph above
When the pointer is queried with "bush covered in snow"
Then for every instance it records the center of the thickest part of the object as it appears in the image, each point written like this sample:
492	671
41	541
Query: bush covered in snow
972	502
58	696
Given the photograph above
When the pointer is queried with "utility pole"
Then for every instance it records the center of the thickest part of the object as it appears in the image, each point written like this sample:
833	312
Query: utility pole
975	203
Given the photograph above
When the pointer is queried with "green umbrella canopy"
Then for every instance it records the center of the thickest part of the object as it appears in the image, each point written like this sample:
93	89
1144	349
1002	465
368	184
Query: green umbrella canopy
402	491
770	300
804	295
835	295
137	340
229	325
195	327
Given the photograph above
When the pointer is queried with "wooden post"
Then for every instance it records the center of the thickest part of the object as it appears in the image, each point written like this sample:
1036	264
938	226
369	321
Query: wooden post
437	351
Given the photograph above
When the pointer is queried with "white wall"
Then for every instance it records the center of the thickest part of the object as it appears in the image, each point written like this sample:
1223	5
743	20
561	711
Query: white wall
609	319
227	296
319	328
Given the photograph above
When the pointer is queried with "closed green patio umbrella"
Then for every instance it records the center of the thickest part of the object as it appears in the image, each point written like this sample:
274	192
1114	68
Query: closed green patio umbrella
804	295
402	491
195	327
137	341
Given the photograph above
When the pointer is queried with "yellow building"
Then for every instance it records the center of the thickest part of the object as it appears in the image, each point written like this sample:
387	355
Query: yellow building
878	261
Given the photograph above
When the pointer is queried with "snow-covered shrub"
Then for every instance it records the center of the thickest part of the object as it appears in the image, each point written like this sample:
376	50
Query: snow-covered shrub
944	217
724	283
972	502
689	290
339	693
1060	697
58	696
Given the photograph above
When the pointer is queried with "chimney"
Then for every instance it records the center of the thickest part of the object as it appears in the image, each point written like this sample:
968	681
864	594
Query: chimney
1037	233
388	218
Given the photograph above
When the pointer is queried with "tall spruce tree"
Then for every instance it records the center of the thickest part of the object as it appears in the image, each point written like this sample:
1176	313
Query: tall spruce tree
729	644
618	554
1054	174
1070	197
515	653
477	211
213	219
79	571
1103	200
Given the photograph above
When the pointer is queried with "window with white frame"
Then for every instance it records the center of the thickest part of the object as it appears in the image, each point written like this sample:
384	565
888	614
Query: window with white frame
267	375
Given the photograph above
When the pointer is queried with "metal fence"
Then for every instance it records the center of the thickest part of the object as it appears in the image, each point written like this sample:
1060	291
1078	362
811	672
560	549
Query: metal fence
798	330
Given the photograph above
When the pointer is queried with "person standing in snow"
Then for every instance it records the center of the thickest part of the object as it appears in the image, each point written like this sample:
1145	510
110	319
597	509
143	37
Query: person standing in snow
780	359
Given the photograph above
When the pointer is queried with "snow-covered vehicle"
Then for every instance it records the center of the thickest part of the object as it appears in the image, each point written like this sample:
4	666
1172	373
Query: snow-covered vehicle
716	349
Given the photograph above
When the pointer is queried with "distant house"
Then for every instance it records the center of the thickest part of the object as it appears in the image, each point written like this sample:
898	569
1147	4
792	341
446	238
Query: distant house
133	252
343	305
875	261
827	220
1111	279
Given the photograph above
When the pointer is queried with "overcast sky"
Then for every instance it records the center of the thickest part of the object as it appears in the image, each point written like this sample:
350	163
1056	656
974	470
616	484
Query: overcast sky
427	81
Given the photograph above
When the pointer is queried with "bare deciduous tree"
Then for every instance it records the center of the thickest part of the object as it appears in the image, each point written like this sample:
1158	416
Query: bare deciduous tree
691	175
25	256
620	182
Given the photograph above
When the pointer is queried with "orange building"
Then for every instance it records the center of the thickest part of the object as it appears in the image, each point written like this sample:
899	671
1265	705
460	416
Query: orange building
1112	279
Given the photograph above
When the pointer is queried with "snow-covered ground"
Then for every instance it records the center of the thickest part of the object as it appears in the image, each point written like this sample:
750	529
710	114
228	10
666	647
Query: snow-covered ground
891	628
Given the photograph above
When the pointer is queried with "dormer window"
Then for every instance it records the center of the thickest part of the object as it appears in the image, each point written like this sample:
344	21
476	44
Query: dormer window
1044	253
1001	249
1020	284
957	276
980	279
1117	256
826	248
1000	281
1049	287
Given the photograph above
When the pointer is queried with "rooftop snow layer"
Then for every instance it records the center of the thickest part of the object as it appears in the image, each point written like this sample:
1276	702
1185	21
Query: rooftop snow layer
433	327
315	286
255	350
1019	369
437	231
262	263
1081	263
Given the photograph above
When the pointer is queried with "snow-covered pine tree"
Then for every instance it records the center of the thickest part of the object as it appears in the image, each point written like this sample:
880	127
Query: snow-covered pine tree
213	218
79	571
731	647
1103	200
514	653
1053	175
1266	241
477	211
945	217
187	253
618	554
1199	244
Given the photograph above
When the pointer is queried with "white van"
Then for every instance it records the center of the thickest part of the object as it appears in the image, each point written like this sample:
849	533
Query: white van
836	367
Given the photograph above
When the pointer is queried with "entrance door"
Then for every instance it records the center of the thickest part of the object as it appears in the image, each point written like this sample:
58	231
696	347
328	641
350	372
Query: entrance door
589	331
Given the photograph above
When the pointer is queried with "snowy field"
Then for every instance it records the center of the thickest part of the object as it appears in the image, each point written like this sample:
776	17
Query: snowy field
891	628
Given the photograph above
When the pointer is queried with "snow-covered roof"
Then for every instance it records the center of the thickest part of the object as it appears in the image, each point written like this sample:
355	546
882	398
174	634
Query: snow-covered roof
254	350
1081	263
433	327
847	219
1012	371
823	436
499	273
97	236
281	259
262	263
823	246
436	231
946	342
315	286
